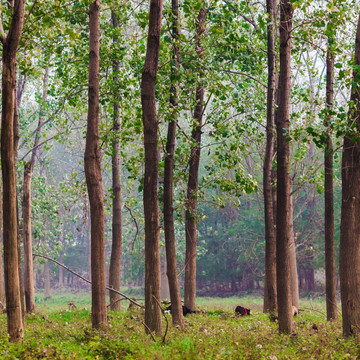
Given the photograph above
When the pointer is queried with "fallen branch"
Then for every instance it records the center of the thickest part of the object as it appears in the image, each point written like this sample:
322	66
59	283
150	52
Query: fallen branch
86	280
163	312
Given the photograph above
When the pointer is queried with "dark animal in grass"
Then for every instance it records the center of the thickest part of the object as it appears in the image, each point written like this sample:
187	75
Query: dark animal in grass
185	310
239	310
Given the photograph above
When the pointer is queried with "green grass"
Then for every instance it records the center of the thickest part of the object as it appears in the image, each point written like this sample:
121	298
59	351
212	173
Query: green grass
54	332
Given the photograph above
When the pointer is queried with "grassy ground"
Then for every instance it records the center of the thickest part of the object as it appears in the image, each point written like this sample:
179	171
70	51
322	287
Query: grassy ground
54	332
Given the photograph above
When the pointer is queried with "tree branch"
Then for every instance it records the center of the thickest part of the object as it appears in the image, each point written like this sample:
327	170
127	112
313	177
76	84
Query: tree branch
86	280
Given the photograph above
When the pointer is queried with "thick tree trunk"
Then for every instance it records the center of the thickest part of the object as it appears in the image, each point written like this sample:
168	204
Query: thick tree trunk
283	271
151	205
116	248
94	176
349	261
270	295
2	288
193	181
330	267
11	256
169	228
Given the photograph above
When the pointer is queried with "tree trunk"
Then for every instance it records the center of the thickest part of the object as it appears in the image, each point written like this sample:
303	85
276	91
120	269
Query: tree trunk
169	228
11	258
270	295
2	289
94	176
27	229
47	280
151	205
349	264
193	181
116	249
61	273
330	267
283	271
292	258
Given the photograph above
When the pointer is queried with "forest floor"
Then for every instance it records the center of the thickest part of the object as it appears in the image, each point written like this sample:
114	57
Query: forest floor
55	332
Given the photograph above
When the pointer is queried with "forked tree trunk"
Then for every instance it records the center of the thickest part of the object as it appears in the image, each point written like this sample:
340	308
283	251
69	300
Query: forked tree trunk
349	260
169	228
283	173
116	248
27	228
94	176
193	180
151	205
330	267
11	259
270	295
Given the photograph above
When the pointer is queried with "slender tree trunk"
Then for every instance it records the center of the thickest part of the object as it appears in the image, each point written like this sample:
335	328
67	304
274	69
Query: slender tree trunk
330	267
27	229
94	176
270	295
61	273
116	249
11	258
193	181
292	258
151	205
349	262
169	228
47	280
283	271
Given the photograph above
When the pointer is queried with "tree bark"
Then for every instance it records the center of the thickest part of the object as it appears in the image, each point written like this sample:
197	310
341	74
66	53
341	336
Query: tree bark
283	177
169	227
349	264
292	258
116	248
27	229
11	259
47	280
270	294
150	197
193	181
94	176
2	289
330	267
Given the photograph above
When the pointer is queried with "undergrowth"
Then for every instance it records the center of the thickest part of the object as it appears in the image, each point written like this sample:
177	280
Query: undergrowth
55	332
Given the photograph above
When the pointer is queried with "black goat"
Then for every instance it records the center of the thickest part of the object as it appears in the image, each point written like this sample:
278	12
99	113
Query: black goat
239	310
185	310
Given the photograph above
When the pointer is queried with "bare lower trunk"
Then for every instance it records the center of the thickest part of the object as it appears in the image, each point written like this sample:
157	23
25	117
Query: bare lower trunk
193	181
330	267
169	227
283	173
2	289
47	280
293	262
270	295
349	264
94	176
11	256
151	206
116	249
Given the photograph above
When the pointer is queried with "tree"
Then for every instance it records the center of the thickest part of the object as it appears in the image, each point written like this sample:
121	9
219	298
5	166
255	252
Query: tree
150	197
193	181
12	284
27	228
283	176
116	248
169	227
94	175
330	268
349	265
270	295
